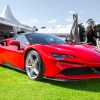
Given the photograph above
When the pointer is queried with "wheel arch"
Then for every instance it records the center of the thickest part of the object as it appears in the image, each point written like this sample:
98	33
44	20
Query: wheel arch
28	52
37	52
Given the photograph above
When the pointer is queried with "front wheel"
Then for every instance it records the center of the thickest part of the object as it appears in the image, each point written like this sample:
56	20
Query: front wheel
34	65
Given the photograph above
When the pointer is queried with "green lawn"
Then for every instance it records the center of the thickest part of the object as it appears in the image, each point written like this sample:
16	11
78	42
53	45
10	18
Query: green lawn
15	85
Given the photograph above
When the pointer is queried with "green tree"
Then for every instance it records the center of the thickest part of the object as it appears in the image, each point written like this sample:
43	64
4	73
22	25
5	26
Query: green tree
81	32
97	28
91	22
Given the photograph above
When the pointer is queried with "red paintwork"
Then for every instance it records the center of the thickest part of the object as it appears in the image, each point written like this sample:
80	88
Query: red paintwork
86	56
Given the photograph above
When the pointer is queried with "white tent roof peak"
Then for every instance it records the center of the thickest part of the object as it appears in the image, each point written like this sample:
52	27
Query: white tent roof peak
7	14
7	17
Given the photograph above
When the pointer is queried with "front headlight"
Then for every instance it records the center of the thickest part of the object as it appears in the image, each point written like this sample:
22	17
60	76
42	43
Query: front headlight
62	57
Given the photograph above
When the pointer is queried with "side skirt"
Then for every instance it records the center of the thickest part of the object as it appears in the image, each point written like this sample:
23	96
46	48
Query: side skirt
13	67
63	80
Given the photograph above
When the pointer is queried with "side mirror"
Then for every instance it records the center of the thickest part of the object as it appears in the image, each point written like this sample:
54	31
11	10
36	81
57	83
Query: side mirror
15	43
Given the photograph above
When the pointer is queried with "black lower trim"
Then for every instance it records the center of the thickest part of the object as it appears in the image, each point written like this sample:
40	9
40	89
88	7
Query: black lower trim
80	71
12	67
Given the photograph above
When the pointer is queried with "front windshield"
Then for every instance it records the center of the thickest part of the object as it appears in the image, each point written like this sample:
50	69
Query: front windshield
39	38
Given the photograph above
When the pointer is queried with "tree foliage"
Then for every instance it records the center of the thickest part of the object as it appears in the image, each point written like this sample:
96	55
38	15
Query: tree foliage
81	32
91	22
97	27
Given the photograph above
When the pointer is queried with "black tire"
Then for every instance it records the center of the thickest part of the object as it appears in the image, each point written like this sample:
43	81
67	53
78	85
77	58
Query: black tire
34	65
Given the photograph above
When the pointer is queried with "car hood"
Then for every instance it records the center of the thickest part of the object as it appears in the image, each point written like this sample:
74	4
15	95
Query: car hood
74	48
86	52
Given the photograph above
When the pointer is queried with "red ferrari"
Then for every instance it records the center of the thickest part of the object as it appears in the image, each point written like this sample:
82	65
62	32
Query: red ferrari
47	56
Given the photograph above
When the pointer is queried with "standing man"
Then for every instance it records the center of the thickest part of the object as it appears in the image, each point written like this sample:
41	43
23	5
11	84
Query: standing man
91	36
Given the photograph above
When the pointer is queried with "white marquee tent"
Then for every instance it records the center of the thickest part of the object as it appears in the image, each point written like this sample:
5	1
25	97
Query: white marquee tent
8	23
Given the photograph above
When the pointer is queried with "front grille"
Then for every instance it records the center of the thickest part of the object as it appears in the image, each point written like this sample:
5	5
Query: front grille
77	71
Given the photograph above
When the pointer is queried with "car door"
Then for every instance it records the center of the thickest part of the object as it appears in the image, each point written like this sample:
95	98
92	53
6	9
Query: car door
15	56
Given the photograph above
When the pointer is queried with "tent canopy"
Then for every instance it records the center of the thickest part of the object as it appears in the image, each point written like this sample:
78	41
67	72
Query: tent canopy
7	18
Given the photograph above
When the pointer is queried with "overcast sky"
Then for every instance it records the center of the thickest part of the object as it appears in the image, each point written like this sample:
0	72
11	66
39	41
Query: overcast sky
53	13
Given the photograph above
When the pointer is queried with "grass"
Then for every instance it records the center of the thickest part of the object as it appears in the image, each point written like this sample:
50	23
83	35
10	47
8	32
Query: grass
15	85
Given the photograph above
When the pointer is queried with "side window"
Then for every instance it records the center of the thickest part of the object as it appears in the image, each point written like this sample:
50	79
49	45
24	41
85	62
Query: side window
22	39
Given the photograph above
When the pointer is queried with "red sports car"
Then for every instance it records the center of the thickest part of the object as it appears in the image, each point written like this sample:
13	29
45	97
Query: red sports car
47	56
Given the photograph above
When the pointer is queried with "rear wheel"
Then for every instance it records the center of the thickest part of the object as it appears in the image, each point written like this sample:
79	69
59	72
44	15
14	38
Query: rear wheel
34	66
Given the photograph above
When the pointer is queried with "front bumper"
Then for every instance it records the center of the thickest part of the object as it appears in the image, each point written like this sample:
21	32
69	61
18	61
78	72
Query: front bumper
73	71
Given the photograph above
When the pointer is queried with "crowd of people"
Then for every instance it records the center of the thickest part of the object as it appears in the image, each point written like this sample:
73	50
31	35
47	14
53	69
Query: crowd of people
90	37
